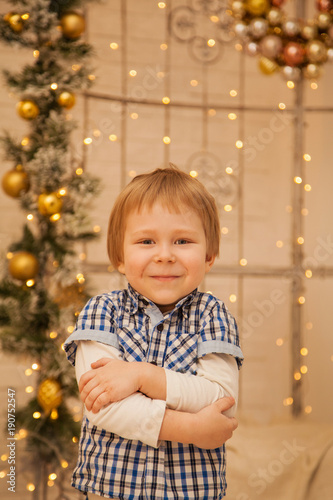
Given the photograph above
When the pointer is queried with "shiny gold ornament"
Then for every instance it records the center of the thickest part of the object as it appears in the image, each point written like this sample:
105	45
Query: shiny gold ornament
49	203
312	71
15	21
324	20
15	182
27	109
66	100
72	25
49	394
257	7
23	266
267	66
316	51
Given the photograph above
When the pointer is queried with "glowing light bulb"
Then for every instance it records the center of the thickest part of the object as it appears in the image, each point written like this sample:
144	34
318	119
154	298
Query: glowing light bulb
166	139
233	297
114	45
166	100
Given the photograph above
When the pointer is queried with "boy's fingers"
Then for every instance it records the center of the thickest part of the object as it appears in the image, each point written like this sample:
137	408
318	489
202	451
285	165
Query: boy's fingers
100	362
224	404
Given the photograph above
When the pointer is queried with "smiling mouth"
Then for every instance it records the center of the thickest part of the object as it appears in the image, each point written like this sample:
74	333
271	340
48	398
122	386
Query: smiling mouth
165	278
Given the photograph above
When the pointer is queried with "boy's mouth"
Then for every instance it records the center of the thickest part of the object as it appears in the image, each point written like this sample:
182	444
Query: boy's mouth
164	277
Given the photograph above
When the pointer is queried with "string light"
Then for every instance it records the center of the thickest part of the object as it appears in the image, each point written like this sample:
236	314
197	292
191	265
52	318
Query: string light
306	157
301	300
308	273
233	298
288	401
87	141
227	208
166	100
113	137
305	211
31	487
211	42
304	369
36	415
25	141
36	54
163	46
279	243
53	335
314	85
298	180
214	19
35	366
243	262
211	112
307	187
233	93
161	5
166	139
132	72
30	283
308	409
279	342
29	389
297	376
96	229
229	170
239	144
304	351
55	217
79	171
300	240
54	86
290	84
224	230
194	83
194	173
114	46
30	216
70	329
232	116
282	106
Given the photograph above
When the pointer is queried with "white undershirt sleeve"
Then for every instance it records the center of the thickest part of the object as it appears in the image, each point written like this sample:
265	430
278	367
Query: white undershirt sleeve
136	417
217	376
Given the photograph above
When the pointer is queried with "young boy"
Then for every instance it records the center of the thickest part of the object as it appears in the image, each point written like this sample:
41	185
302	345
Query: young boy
157	363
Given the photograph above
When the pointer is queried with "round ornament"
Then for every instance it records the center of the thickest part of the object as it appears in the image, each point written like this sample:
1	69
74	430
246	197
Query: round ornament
72	25
49	203
66	100
27	109
23	266
15	21
15	182
257	7
298	46
49	394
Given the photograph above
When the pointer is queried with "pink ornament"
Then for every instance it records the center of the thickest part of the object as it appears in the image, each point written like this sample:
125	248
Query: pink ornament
293	54
277	3
324	5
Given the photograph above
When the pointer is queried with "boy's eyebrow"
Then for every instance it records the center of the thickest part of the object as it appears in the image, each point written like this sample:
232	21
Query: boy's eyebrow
180	230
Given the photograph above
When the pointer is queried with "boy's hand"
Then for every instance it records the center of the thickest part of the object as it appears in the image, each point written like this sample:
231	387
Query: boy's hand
110	380
213	428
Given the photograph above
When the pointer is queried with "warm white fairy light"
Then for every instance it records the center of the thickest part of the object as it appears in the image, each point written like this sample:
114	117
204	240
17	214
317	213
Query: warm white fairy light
29	389
163	46
214	19
30	283
290	84
308	273
282	105
35	366
211	42
113	138
239	144
166	100
300	240
87	141
132	72
36	415
279	243
279	342
161	5
25	141
31	487
79	171
53	335
166	139
233	298
227	208
224	230
70	329
303	369
55	217
298	180
229	170
194	173
314	85
304	351
301	300
288	401
54	86
96	229
36	54
243	262
305	211
194	83
212	112
307	187
28	372
307	157
114	46
233	93
30	216
297	376
308	409
232	116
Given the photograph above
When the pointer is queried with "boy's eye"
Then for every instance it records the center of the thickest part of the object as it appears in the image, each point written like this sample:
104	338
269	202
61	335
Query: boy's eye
181	242
146	242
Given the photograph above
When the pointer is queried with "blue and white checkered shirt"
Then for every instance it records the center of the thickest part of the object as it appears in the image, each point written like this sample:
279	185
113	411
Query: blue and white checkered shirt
118	468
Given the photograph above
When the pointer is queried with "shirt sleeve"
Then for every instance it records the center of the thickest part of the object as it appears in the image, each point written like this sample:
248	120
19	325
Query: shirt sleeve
217	376
135	417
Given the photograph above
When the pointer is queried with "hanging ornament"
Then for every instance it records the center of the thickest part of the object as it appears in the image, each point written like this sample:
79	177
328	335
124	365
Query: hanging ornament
15	21
27	109
265	29
23	266
72	25
49	203
15	182
66	100
49	395
267	66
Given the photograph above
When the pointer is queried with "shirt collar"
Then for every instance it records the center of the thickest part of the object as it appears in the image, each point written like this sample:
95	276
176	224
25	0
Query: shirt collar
138	301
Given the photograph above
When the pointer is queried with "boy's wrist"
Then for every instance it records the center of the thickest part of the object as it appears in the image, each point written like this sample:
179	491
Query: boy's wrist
152	380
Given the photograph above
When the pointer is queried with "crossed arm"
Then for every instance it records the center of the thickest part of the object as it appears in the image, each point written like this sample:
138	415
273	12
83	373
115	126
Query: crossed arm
140	390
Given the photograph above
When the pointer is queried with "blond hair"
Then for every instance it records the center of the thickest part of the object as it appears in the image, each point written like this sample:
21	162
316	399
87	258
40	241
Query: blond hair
172	188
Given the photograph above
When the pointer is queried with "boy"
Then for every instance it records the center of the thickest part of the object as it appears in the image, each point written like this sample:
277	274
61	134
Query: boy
163	354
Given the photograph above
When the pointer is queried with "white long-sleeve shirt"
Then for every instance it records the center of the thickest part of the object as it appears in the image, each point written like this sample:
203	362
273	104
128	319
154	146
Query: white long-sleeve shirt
139	417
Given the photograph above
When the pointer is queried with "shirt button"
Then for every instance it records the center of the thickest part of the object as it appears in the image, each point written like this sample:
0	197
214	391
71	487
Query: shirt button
160	327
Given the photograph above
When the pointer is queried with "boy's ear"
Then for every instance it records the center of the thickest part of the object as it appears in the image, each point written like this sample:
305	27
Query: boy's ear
121	268
209	262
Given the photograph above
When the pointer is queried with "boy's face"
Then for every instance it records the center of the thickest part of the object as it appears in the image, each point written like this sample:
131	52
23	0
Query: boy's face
164	254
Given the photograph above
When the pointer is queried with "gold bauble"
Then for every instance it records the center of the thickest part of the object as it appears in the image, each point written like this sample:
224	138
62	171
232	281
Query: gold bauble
267	66
49	203
72	25
257	7
27	109
15	182
15	21
23	266
66	100
49	394
316	51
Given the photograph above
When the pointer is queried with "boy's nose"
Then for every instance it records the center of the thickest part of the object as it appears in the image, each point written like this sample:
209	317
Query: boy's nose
164	253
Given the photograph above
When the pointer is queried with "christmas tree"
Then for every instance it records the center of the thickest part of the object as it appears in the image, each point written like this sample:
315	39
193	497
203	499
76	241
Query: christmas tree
43	287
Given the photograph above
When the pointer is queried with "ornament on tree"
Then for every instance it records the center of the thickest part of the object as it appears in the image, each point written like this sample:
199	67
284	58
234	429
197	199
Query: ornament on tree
66	100
23	266
27	109
49	395
72	25
49	203
15	182
15	21
266	30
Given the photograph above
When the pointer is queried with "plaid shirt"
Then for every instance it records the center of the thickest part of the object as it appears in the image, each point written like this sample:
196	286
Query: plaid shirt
119	468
